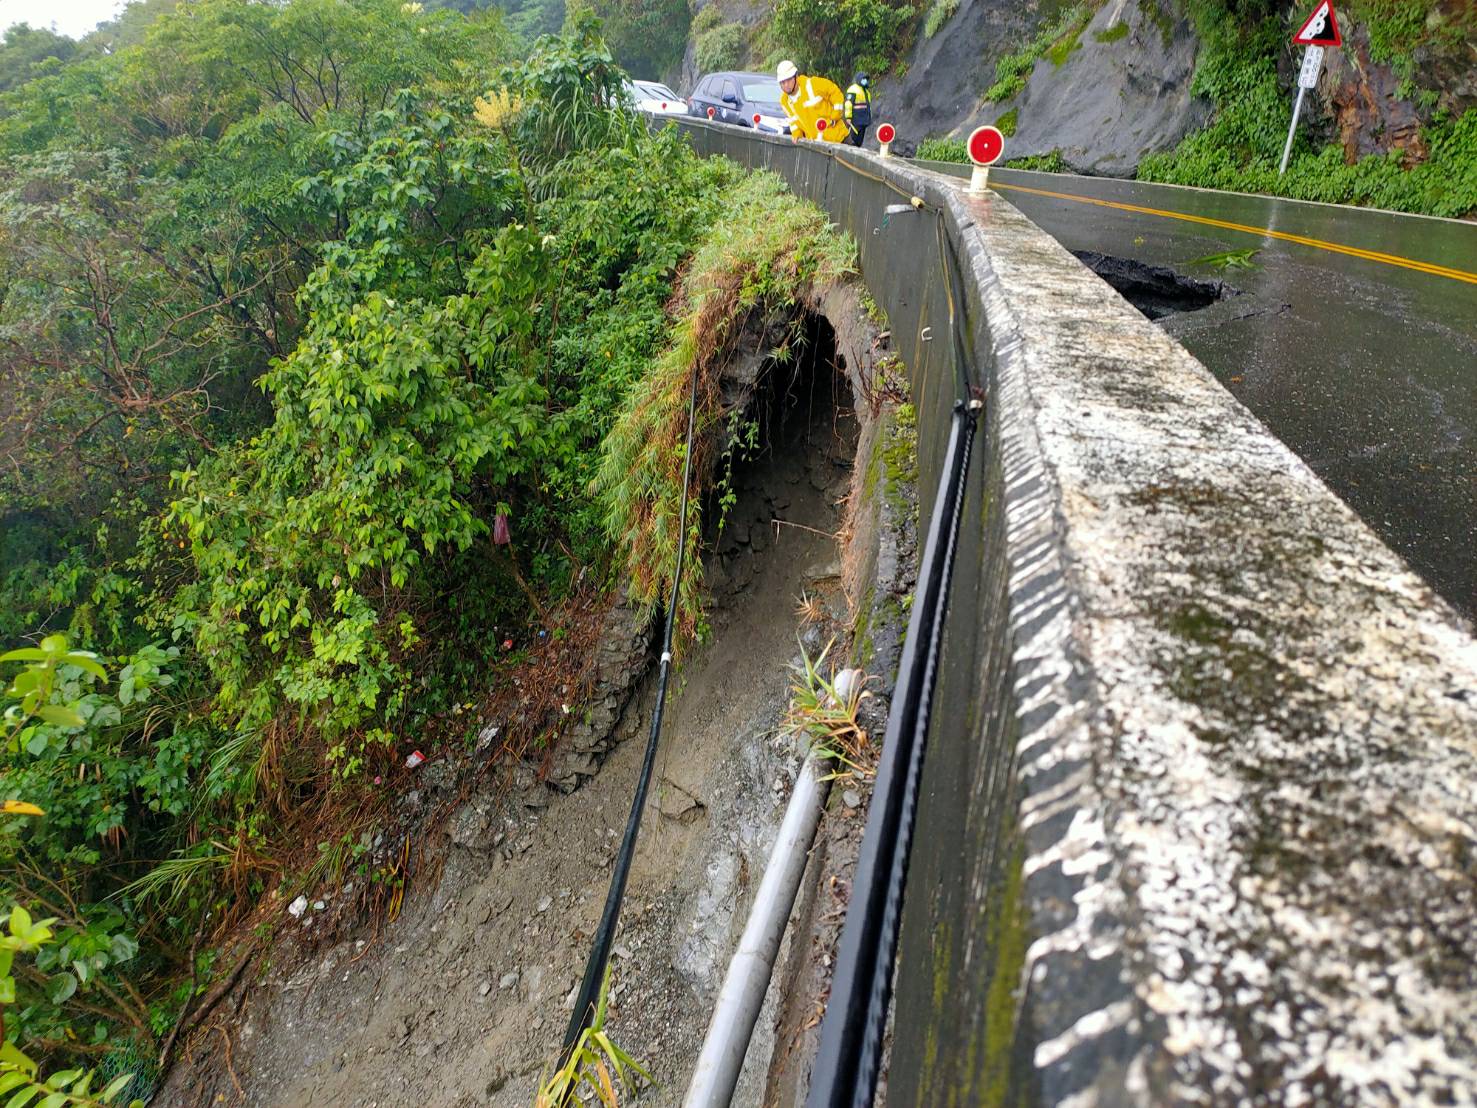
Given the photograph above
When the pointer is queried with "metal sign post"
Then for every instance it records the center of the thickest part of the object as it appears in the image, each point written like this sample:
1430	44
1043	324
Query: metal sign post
1319	30
1307	78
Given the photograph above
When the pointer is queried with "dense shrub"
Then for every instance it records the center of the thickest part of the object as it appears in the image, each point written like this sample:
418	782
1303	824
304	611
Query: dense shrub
1445	184
939	13
720	48
769	249
709	17
938	149
296	582
834	38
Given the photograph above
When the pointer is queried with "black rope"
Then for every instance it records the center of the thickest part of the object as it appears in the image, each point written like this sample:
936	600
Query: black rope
589	994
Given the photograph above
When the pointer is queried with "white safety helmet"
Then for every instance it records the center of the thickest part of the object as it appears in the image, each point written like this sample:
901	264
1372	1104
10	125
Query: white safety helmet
786	71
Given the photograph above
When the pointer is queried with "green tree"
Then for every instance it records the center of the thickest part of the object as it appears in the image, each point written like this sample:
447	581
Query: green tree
27	52
444	319
646	37
837	37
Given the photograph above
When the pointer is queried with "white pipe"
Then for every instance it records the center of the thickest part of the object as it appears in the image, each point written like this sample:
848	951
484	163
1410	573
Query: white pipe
747	980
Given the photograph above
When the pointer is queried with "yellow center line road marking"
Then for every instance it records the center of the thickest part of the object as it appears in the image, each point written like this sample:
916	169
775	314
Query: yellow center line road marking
1334	247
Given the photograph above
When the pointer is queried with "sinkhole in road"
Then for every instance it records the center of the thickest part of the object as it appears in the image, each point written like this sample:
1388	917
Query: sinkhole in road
1155	290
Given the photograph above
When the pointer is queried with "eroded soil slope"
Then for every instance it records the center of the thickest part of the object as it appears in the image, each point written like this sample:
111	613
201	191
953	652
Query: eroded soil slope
462	1000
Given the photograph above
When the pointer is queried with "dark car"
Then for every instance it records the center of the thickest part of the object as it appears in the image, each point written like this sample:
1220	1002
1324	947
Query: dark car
737	98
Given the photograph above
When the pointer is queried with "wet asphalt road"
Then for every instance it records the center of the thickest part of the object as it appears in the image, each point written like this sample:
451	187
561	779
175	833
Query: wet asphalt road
1364	365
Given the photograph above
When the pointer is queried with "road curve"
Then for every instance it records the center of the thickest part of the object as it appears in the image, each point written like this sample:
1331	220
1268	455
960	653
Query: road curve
1353	338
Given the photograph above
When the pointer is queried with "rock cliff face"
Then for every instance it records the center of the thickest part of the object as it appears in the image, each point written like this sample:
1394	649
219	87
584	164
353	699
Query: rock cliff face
942	91
1120	89
1122	92
1368	106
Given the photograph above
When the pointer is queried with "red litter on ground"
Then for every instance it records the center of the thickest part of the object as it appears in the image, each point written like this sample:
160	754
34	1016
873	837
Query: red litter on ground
414	760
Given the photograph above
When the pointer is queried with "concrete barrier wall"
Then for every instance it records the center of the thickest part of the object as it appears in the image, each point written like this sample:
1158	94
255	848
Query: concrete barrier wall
1198	808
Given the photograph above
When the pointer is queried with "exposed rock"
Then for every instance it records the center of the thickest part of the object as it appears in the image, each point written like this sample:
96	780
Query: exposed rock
471	827
1111	102
621	658
677	803
1369	115
949	71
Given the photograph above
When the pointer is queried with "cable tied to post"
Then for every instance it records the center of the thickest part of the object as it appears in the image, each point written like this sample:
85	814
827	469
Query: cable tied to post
589	992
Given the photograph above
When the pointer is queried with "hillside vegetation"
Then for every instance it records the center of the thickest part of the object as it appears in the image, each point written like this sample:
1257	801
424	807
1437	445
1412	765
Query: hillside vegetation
1394	123
339	352
1241	43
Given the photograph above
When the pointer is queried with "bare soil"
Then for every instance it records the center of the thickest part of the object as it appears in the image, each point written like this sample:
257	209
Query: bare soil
464	999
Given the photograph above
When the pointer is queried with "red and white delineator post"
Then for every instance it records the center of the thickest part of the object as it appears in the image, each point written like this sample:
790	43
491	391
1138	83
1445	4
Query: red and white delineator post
886	132
985	145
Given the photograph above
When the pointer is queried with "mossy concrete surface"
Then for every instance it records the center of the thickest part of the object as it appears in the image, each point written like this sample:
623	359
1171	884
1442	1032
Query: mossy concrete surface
1262	796
1215	740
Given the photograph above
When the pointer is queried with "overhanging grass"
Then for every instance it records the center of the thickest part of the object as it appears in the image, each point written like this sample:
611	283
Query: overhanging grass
769	251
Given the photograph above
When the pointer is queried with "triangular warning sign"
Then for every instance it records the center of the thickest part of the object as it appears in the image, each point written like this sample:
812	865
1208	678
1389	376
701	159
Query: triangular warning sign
1321	29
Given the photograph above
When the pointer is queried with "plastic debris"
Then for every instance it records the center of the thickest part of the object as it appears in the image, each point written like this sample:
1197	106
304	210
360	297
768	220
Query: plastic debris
298	907
414	760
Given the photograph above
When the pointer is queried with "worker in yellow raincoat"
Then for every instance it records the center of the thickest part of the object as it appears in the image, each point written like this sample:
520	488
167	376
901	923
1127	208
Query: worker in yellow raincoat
809	102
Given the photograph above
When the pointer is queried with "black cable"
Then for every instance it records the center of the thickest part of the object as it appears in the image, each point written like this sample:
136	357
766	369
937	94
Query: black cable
849	1053
851	1032
589	994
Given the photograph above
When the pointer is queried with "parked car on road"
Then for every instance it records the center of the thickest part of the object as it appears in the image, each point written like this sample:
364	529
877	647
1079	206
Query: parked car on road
656	98
737	98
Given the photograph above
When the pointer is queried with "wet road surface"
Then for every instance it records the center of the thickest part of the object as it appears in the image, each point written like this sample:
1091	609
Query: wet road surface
1352	336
